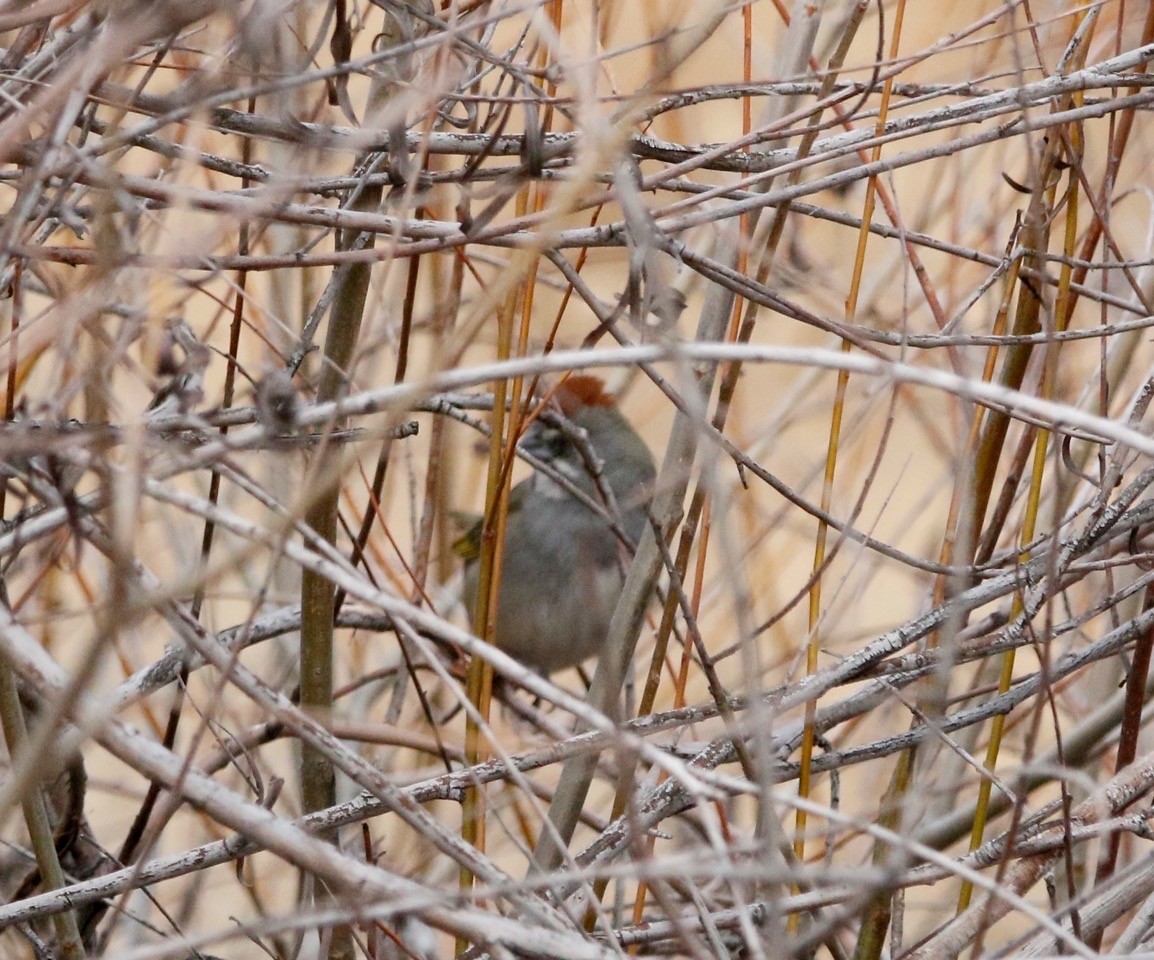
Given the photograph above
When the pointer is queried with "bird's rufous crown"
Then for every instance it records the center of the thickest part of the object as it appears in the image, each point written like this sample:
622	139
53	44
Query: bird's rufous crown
582	390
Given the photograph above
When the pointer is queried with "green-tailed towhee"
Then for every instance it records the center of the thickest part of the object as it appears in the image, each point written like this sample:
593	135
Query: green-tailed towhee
562	565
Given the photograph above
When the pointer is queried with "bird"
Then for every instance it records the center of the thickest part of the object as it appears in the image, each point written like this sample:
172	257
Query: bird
277	403
181	381
562	562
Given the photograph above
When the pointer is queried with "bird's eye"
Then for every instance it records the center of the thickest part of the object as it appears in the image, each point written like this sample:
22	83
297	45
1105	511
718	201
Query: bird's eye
546	443
557	444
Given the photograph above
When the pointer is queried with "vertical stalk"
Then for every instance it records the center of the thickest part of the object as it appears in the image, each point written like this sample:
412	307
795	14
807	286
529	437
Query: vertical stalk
819	551
318	593
1029	523
36	814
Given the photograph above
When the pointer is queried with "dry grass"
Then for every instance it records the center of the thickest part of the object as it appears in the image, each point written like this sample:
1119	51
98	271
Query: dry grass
375	218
